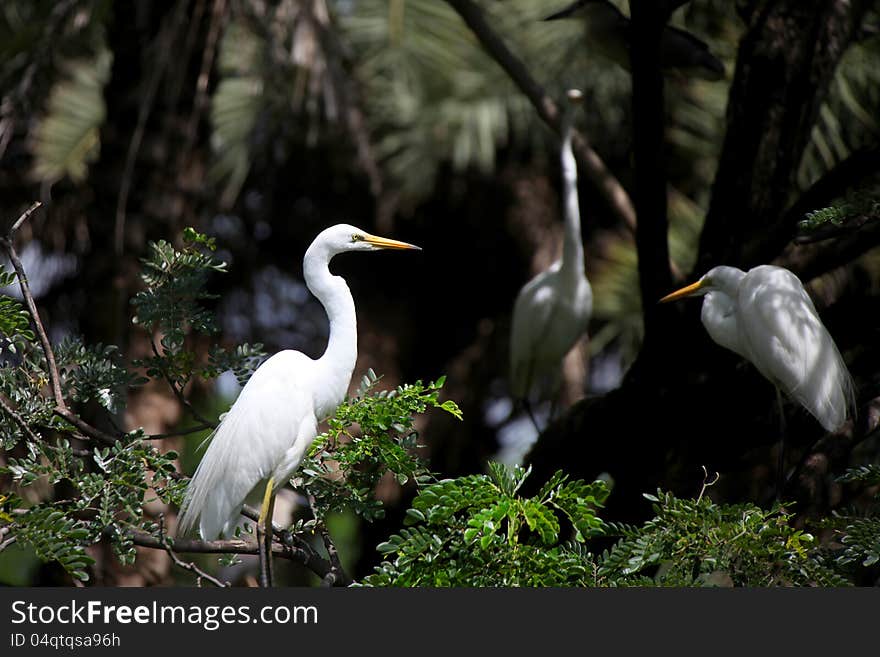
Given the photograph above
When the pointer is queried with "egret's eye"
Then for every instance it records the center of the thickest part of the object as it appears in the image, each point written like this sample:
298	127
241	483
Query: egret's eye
357	238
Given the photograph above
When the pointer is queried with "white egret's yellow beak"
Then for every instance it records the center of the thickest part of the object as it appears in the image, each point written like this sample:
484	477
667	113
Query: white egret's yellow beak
385	243
687	291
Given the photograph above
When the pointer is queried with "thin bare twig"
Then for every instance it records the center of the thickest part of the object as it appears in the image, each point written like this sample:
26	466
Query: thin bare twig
24	217
61	408
337	574
6	242
186	565
595	168
181	432
19	420
349	99
201	96
178	392
706	482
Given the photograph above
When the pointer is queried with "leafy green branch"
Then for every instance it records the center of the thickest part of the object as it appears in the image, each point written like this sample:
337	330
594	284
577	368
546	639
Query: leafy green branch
699	543
344	466
172	305
477	531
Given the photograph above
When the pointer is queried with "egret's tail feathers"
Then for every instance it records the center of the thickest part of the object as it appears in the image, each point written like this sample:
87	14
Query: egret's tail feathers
830	398
215	494
840	402
218	516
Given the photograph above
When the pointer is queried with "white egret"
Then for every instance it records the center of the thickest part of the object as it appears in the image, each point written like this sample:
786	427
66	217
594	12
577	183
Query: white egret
553	309
265	435
766	316
609	32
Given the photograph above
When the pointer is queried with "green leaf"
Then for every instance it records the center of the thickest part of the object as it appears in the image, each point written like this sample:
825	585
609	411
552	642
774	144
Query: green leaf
67	138
540	519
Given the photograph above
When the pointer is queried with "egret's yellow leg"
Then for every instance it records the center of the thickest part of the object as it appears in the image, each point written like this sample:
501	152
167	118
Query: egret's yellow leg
264	533
780	462
267	498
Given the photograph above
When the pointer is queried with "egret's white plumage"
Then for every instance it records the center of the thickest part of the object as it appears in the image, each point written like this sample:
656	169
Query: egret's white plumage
553	309
766	316
273	422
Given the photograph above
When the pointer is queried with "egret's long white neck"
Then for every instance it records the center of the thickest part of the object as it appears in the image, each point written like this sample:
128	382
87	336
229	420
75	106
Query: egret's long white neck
340	356
718	313
572	246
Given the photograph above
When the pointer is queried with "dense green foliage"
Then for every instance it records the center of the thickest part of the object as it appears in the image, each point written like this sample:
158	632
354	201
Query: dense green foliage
698	542
14	320
476	531
172	306
343	468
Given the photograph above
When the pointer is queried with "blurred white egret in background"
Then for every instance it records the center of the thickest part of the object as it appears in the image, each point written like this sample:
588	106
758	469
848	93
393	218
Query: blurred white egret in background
267	432
766	316
553	309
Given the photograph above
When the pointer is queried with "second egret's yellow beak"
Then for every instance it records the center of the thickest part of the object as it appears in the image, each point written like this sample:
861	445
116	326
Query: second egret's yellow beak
385	243
687	291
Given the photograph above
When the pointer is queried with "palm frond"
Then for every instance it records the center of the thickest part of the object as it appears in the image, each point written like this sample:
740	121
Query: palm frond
436	97
67	138
235	106
848	118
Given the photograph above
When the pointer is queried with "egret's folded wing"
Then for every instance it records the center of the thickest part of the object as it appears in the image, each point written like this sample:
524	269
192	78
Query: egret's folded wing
788	343
249	443
532	313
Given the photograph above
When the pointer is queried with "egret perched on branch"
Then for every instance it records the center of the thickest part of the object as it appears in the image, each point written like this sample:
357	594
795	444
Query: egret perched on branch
553	309
767	317
265	435
609	31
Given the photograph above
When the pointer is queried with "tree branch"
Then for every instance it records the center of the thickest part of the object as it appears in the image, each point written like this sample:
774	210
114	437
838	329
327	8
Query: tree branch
337	573
200	101
805	256
19	420
318	566
85	428
593	166
181	432
7	244
347	93
7	542
24	217
61	408
178	392
312	560
189	566
811	260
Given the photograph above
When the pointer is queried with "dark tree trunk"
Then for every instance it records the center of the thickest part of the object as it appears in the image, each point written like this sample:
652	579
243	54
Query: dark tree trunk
652	431
655	278
786	61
